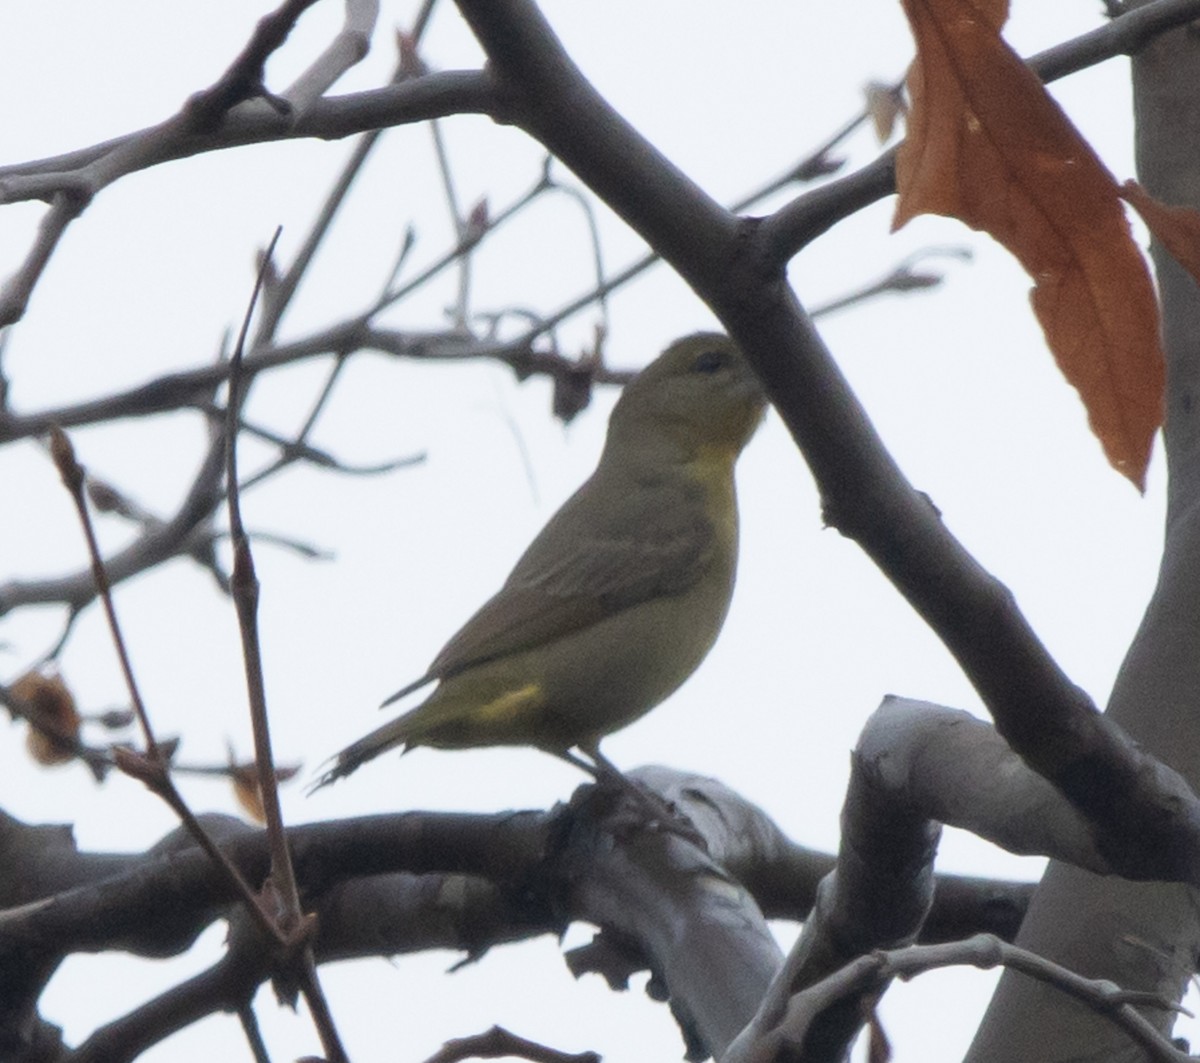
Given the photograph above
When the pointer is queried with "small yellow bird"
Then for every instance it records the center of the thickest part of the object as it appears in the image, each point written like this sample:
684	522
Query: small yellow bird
621	595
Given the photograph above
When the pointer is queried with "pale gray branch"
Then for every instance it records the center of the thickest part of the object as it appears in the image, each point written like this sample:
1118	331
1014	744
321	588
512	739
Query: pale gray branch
344	51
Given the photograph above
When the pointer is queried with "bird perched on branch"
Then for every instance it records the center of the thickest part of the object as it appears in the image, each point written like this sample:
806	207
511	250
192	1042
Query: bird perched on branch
621	595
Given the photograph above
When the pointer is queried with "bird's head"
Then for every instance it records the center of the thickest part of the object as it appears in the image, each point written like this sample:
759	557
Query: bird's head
698	396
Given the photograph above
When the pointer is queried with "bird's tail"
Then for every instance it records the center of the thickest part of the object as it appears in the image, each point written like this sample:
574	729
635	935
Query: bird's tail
354	756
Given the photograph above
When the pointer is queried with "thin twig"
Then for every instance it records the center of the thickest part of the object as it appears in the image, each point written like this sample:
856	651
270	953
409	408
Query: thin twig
298	449
347	49
468	239
296	927
498	1043
72	474
421	22
322	400
4	334
276	301
14	297
900	280
458	315
589	214
245	594
285	542
248	1020
152	768
868	973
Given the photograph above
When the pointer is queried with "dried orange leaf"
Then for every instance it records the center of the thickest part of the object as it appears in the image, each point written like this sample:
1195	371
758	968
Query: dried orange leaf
244	778
249	796
54	721
1176	228
986	144
885	105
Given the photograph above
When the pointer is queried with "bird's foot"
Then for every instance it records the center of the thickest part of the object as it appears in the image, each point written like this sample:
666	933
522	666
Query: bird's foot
658	812
662	814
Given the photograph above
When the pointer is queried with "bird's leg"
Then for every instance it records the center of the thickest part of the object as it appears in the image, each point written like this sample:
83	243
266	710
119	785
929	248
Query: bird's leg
662	813
591	769
606	766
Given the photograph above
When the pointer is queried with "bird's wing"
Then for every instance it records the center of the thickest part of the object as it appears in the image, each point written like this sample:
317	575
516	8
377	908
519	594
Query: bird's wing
582	569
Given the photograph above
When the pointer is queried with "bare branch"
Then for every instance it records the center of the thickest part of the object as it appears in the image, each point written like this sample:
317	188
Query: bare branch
158	543
152	766
277	298
280	894
72	474
498	1043
782	1028
901	280
244	79
346	49
946	766
75	189
14	297
385	884
330	118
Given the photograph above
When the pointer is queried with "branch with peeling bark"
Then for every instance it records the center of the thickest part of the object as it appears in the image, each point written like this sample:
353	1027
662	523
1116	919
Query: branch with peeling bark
521	874
385	885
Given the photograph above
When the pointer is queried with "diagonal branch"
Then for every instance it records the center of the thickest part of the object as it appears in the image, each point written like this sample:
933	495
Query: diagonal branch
155	545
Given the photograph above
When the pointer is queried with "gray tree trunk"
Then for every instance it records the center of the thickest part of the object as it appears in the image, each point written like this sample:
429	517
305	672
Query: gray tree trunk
1144	937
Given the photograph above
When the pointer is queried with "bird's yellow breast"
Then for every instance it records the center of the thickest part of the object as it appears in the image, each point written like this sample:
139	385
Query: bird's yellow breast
712	469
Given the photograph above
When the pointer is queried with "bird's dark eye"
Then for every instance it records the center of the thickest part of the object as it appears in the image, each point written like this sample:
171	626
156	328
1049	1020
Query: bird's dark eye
709	362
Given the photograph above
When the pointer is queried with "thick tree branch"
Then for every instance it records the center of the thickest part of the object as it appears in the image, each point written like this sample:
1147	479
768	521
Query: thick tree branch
390	884
951	768
917	766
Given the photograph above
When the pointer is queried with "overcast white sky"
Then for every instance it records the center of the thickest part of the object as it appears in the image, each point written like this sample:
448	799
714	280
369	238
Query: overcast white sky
958	382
